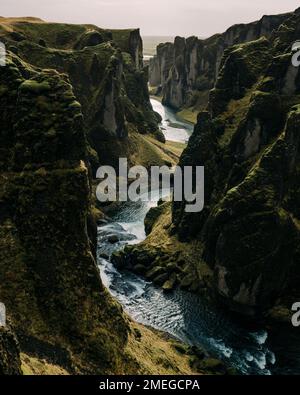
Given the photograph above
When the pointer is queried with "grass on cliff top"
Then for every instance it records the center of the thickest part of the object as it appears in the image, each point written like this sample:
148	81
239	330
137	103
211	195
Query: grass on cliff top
20	19
56	35
121	37
59	35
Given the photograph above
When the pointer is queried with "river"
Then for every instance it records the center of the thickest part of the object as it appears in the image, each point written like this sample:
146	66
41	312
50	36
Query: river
172	127
183	315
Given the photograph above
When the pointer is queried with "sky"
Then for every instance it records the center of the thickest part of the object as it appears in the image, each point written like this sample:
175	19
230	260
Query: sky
154	17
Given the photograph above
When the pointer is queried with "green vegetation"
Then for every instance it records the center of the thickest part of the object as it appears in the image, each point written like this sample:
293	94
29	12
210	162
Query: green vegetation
188	115
186	69
162	258
104	68
57	101
244	246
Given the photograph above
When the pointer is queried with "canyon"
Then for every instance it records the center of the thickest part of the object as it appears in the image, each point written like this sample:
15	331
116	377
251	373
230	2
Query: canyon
75	97
243	248
184	72
68	104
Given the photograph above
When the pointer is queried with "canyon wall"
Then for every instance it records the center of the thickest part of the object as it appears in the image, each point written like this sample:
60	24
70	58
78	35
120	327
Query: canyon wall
105	69
186	70
71	97
50	284
242	249
248	141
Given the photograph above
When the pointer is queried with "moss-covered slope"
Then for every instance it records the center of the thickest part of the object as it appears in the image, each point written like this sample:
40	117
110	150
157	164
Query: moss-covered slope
49	280
244	245
186	70
106	72
61	318
250	225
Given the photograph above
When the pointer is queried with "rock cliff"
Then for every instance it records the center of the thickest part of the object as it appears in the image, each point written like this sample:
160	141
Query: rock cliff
10	363
248	142
186	70
50	283
53	89
243	248
106	72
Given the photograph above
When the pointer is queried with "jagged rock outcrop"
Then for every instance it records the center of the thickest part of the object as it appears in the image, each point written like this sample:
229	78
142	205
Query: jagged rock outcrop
161	64
187	69
50	283
105	69
243	247
248	142
62	318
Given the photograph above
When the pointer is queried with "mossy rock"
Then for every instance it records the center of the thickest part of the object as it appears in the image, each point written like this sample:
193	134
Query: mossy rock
46	237
160	279
90	39
170	284
140	269
152	216
155	272
35	86
248	142
186	281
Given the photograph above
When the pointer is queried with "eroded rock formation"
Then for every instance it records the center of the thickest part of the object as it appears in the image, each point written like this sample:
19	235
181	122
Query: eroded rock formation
248	142
50	283
105	69
186	70
243	248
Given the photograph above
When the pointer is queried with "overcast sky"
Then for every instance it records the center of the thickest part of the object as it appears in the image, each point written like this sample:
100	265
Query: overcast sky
154	17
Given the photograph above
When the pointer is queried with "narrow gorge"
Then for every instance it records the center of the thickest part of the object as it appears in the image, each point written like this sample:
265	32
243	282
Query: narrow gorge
146	287
242	251
68	103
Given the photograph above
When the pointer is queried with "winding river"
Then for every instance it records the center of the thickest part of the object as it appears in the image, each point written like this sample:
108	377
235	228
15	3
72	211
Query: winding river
181	314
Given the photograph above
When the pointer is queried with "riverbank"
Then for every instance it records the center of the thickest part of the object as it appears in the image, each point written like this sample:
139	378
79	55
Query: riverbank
150	351
157	352
184	315
187	316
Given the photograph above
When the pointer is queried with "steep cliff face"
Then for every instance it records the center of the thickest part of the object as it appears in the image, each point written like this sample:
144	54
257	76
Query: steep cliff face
186	70
243	248
105	70
10	363
61	318
49	279
248	142
161	64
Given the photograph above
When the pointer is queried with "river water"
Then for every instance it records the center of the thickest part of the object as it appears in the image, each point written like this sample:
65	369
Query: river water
183	315
173	128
